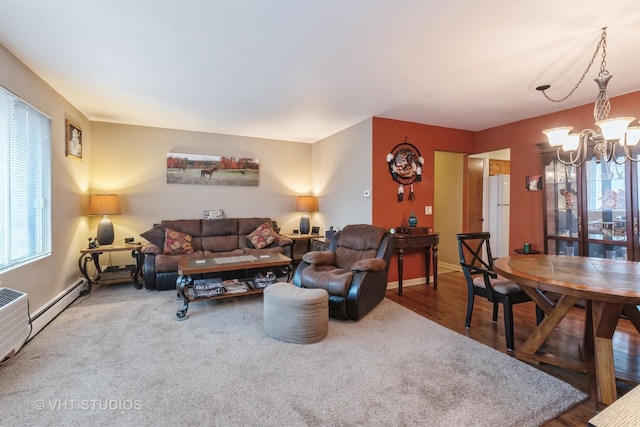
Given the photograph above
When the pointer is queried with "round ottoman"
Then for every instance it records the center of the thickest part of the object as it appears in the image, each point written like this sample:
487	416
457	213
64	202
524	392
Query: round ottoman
294	314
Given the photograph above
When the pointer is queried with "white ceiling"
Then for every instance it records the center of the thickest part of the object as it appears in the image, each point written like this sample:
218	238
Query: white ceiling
302	70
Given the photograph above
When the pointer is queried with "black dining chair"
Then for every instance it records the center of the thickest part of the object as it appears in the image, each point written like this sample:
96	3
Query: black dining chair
477	265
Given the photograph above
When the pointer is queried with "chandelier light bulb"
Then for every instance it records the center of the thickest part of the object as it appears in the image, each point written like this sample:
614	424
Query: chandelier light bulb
614	129
557	136
571	143
633	136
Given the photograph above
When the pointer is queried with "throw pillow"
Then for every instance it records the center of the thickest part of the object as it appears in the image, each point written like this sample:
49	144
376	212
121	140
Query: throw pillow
155	235
177	243
262	236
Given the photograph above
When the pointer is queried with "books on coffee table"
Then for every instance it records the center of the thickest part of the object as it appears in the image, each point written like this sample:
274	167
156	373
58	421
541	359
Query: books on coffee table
205	288
234	286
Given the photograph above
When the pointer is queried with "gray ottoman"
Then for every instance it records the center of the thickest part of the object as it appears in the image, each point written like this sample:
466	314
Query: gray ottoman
294	314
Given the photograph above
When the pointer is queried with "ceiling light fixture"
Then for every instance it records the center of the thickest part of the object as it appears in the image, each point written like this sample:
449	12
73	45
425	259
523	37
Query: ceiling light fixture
612	131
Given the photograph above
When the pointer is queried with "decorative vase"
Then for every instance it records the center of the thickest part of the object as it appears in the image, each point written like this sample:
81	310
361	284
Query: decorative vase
413	220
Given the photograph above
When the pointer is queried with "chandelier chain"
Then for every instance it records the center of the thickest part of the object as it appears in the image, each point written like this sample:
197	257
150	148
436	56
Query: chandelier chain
602	43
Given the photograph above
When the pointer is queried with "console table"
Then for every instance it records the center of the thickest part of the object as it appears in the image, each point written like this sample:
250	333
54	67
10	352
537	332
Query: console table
428	242
125	273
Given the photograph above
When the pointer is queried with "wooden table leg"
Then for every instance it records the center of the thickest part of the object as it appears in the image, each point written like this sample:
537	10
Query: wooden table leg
427	262
605	319
400	266
435	266
546	327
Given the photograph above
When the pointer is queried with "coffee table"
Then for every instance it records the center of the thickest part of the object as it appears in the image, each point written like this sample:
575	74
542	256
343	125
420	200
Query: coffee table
217	264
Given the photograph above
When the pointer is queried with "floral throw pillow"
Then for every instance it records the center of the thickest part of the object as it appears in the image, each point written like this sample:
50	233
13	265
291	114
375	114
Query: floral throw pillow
262	236
176	243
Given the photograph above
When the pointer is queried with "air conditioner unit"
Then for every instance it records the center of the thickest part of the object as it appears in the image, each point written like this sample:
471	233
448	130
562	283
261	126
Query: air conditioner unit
14	322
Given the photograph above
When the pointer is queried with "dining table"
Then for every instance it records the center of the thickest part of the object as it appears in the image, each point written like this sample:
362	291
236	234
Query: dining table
556	283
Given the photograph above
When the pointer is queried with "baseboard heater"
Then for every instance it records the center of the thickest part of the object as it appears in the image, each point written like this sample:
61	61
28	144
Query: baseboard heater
14	322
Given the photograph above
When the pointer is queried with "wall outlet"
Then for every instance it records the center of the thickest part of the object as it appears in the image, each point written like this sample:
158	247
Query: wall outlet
428	210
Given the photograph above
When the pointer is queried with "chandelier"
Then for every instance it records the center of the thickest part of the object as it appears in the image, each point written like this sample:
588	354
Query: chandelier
612	132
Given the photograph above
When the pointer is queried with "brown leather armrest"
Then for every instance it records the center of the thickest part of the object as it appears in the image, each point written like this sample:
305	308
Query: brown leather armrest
371	264
150	248
284	241
319	258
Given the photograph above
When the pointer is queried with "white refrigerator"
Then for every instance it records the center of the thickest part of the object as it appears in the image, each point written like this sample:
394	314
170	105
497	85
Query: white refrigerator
499	214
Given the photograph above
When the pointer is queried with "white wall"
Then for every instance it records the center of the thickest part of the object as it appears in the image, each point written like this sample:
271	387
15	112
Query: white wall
342	171
45	278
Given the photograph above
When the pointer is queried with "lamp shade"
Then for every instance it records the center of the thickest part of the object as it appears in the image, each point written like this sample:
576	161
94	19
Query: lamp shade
104	204
557	136
614	129
306	204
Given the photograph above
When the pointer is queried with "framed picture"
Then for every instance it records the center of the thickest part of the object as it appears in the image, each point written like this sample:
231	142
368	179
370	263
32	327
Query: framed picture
73	140
183	168
534	183
213	214
315	230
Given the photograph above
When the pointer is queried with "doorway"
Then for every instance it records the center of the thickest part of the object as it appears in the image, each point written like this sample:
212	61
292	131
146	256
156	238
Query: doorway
488	162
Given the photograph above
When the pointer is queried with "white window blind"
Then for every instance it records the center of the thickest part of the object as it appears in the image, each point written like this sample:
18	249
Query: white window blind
25	182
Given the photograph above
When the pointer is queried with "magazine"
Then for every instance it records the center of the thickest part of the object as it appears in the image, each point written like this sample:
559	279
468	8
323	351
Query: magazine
198	293
207	284
235	286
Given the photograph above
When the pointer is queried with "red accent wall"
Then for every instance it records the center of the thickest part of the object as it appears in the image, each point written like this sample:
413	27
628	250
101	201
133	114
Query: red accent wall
521	137
387	211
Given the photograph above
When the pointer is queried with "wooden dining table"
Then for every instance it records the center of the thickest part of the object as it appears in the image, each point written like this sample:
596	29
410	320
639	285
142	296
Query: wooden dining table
609	287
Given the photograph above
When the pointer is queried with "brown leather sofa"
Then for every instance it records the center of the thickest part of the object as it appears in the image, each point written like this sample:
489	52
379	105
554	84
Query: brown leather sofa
353	271
226	236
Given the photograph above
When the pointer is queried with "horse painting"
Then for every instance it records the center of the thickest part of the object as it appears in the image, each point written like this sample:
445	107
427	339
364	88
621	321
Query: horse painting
209	172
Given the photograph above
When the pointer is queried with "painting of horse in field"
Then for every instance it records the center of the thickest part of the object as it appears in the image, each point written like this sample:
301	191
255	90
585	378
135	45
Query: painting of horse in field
212	170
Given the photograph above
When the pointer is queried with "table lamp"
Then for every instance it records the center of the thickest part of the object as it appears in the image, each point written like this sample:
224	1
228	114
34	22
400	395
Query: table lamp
104	204
306	204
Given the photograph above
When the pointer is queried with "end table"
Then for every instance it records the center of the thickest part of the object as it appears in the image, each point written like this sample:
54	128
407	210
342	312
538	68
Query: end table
115	274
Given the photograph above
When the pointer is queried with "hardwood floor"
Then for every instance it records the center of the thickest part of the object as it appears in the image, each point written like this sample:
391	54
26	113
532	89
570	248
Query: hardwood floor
447	306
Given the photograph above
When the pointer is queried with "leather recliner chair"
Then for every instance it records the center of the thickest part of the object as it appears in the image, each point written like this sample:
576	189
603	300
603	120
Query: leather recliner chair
353	271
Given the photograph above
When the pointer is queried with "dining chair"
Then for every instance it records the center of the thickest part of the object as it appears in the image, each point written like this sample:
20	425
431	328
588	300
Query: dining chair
477	265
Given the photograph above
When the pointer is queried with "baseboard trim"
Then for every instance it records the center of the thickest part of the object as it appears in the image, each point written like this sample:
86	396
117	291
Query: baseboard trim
408	282
55	306
443	268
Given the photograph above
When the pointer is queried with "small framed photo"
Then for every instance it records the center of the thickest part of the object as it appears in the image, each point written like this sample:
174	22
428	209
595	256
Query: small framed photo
534	183
73	140
213	214
315	230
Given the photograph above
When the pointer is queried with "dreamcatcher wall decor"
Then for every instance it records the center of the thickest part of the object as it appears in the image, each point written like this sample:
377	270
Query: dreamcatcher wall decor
405	166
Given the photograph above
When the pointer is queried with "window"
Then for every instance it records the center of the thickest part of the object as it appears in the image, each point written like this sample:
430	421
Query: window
25	182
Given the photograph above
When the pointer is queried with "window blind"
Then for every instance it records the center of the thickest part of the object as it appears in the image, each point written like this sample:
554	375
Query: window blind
25	182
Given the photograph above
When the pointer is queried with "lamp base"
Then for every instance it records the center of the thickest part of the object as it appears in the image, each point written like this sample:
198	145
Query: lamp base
105	231
305	225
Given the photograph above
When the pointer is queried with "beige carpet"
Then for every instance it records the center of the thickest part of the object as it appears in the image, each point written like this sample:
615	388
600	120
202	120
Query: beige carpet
120	357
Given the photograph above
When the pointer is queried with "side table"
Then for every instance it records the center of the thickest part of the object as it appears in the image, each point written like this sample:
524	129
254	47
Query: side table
115	274
320	244
301	244
428	242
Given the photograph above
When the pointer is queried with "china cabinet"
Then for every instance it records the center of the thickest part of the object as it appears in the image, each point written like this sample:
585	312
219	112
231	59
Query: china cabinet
591	210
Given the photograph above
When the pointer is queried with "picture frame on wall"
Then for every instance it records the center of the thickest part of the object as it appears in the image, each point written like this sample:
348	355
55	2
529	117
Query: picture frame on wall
533	183
73	138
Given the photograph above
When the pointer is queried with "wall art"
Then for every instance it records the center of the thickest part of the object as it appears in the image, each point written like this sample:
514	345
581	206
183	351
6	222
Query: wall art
73	137
213	214
212	170
405	166
533	183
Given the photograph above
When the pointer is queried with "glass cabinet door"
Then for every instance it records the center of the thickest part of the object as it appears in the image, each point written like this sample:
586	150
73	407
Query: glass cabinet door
606	210
561	192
